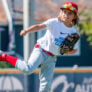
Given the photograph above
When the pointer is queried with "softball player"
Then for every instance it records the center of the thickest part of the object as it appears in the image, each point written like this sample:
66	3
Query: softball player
46	50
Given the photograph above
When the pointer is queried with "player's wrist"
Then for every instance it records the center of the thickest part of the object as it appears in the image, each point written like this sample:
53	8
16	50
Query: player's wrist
26	30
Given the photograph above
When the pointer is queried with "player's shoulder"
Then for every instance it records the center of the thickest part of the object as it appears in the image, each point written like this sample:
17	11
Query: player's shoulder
75	30
52	20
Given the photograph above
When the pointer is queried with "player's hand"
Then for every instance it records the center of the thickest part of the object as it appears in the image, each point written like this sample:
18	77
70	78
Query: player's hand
23	32
71	52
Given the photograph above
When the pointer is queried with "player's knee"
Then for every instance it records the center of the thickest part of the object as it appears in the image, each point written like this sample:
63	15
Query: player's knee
28	70
24	67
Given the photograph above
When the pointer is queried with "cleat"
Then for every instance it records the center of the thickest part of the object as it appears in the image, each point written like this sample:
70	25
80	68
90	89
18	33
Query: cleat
2	56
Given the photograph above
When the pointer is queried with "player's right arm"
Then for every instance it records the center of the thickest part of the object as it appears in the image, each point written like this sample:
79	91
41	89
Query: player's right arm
33	28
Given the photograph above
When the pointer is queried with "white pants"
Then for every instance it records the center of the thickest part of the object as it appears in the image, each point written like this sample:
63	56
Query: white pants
47	62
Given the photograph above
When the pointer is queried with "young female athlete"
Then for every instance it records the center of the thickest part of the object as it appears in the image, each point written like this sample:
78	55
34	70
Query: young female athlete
47	48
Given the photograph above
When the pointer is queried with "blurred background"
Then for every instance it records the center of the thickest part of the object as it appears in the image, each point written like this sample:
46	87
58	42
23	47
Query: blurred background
16	15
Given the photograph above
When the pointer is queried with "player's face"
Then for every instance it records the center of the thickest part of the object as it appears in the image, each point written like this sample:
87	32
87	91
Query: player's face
67	16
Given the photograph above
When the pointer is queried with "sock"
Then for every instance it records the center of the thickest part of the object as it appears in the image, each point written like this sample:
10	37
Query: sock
12	60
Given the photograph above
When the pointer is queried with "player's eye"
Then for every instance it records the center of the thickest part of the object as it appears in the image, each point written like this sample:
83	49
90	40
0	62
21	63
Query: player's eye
70	13
67	12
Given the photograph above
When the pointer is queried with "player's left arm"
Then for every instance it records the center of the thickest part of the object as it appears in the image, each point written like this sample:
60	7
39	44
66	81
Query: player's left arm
71	52
68	45
74	49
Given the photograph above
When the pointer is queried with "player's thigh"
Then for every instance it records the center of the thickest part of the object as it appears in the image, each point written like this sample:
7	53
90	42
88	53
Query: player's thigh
36	58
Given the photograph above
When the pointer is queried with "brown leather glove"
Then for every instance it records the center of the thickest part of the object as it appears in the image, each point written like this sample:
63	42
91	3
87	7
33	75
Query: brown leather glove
69	42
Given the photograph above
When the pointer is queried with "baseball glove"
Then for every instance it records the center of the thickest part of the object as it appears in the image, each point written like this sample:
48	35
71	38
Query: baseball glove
69	43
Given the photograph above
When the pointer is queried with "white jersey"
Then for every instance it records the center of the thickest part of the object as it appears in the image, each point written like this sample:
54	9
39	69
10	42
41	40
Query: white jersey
55	34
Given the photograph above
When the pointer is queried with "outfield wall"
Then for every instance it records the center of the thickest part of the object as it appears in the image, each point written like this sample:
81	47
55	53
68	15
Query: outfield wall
65	80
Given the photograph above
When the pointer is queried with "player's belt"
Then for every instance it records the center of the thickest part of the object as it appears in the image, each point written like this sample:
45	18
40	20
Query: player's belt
49	53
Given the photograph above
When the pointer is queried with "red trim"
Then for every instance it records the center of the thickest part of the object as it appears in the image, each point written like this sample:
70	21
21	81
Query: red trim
49	53
37	46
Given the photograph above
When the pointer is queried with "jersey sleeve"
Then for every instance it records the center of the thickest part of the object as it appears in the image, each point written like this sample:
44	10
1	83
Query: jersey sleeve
75	31
49	23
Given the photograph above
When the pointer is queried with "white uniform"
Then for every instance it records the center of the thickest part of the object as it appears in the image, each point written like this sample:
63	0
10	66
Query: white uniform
55	34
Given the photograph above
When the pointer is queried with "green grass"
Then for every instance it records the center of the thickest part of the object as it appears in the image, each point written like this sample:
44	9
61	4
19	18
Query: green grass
5	65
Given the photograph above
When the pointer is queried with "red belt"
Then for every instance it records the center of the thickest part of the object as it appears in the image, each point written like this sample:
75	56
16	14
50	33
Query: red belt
49	53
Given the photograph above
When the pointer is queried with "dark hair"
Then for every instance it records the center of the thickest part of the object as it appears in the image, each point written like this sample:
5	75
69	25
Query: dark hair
76	20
